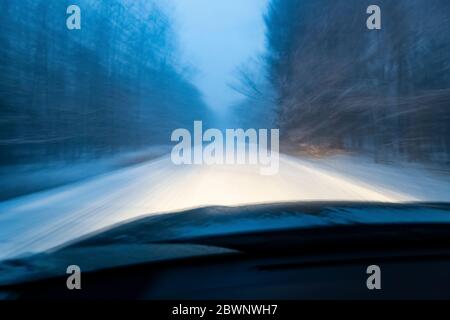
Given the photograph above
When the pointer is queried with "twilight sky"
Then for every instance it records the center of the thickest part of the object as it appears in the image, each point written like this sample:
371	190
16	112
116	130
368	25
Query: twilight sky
215	37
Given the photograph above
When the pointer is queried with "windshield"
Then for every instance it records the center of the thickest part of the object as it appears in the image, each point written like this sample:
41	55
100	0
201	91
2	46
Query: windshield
115	110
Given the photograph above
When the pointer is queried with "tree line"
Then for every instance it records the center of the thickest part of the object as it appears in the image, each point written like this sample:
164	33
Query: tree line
115	84
339	85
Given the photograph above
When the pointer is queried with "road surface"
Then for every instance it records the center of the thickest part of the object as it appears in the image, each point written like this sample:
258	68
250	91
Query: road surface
48	219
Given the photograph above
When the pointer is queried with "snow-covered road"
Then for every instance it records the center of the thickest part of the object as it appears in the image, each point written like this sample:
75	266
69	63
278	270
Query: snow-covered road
44	220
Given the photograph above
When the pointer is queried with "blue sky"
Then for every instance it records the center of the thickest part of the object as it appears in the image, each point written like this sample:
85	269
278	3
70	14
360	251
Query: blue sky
216	36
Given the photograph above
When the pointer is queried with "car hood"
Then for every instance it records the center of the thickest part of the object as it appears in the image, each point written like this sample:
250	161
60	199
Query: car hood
182	235
215	221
